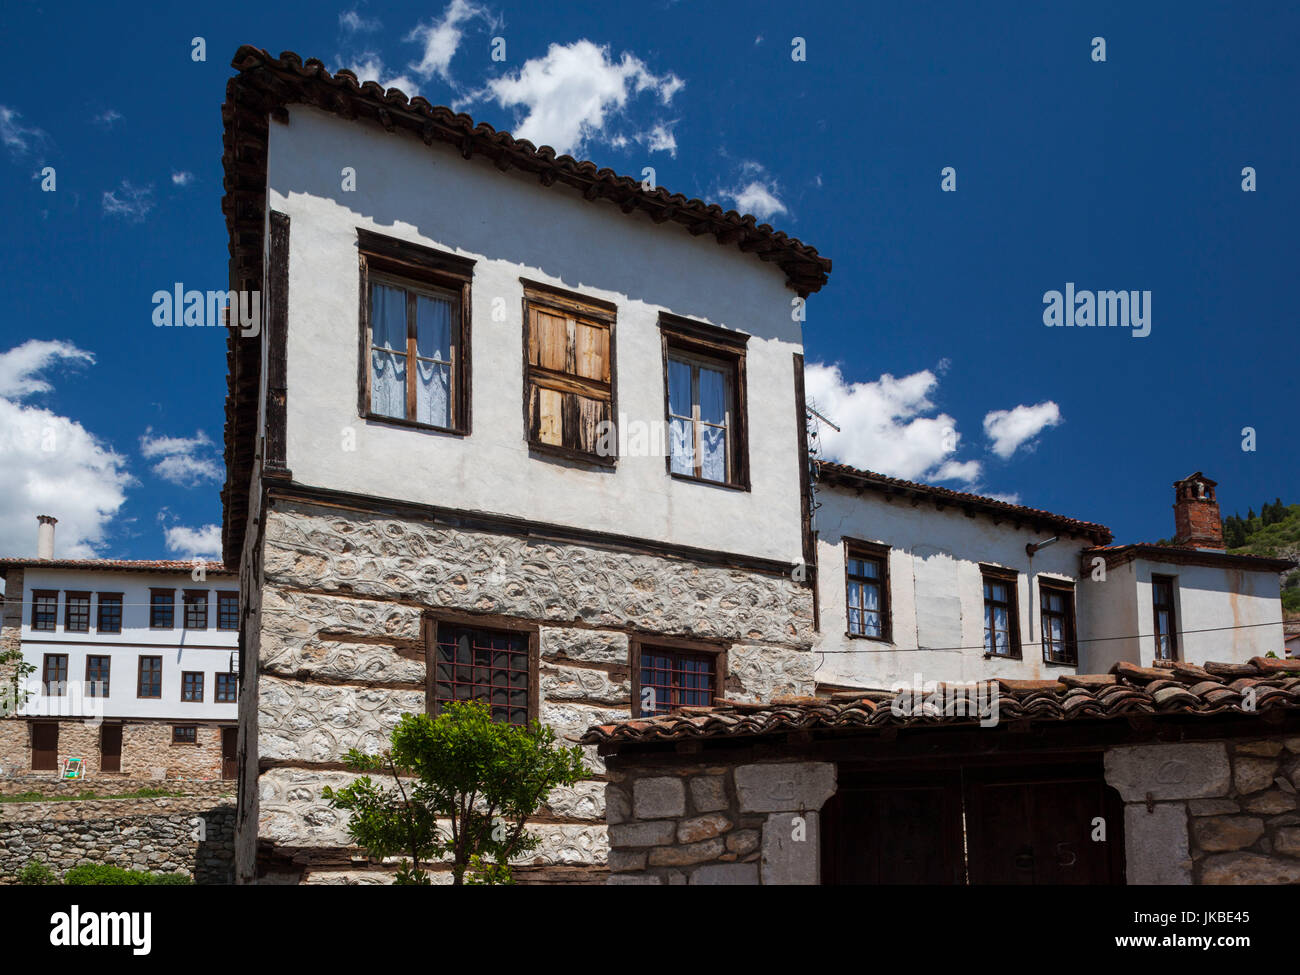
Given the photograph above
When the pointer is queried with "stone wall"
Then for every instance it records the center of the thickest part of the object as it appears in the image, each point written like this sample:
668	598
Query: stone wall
1211	812
742	824
193	835
147	749
340	656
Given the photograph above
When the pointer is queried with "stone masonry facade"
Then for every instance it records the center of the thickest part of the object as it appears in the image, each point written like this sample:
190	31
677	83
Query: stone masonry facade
147	749
729	824
1222	812
338	641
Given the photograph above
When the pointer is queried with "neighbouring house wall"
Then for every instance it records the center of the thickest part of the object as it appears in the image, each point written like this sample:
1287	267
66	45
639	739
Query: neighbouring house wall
1109	609
147	750
192	835
1210	813
340	656
512	229
935	589
724	824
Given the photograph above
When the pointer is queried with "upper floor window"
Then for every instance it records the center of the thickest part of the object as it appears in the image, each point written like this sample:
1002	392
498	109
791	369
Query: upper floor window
470	663
866	572
97	676
45	609
670	677
415	334
55	674
1162	598
162	609
568	384
227	689
110	612
76	612
196	609
192	686
149	683
227	611
704	377
1056	611
1001	613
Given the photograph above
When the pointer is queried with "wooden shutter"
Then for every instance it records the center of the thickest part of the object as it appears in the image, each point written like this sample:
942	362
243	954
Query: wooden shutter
570	392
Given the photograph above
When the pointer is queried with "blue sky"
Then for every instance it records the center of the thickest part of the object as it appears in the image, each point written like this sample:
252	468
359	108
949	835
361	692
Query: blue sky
932	352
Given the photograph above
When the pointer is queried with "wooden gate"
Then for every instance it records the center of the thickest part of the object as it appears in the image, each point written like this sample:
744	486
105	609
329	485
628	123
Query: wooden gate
45	746
229	754
110	748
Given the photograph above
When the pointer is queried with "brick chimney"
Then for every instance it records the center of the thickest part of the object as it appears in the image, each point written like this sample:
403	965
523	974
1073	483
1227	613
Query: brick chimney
1196	513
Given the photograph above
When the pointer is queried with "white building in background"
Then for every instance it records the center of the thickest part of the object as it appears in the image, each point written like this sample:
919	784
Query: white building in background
916	579
134	665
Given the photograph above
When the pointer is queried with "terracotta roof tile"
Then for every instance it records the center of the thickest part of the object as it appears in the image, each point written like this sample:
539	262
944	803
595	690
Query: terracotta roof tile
116	565
1126	690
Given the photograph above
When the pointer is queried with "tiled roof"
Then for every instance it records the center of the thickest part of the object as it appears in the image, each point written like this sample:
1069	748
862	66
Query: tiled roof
1127	690
116	565
1185	555
833	473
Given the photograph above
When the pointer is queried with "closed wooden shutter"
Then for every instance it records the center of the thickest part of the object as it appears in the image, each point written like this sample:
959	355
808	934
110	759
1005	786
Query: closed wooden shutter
569	392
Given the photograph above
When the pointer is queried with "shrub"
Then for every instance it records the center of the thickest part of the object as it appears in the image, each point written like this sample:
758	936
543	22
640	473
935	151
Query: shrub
37	874
102	875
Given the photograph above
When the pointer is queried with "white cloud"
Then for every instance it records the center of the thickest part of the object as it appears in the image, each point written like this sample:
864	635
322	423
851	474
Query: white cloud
758	198
1012	498
107	118
203	542
185	461
352	22
441	38
128	201
570	95
370	67
50	464
17	138
183	178
1010	429
658	139
888	426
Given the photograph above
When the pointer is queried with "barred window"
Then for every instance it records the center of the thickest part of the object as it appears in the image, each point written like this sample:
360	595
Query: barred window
671	678
472	664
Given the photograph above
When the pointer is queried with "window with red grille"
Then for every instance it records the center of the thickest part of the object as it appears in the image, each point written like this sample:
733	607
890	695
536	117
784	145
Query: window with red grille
671	678
483	665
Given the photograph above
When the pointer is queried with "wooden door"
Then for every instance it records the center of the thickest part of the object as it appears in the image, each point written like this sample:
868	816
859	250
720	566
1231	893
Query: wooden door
893	829
110	748
45	746
229	754
1041	826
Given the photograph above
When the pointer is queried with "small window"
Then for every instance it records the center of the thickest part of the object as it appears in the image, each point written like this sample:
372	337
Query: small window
1001	615
162	609
867	586
227	611
227	689
192	686
568	385
1056	611
97	670
76	612
704	379
110	613
196	609
1166	635
150	682
670	678
185	734
472	664
54	677
45	609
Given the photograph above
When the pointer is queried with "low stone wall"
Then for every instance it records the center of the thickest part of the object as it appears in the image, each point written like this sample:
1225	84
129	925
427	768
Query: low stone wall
744	824
110	785
1210	812
193	835
147	749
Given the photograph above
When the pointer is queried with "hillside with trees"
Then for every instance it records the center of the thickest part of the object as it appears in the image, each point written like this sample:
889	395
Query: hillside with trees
1275	532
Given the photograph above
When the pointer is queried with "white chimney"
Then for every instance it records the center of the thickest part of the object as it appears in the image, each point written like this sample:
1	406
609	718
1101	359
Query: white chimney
45	536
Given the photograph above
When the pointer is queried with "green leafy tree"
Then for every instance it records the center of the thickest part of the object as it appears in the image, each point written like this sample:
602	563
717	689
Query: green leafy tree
14	671
463	788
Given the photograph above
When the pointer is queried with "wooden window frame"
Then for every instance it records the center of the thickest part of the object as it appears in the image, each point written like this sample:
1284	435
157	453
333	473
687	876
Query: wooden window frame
429	626
112	597
202	687
171	593
190	597
139	678
577	306
45	675
107	674
176	728
1011	578
1158	580
876	552
414	266
1062	587
230	679
224	596
698	647
45	594
688	339
68	597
